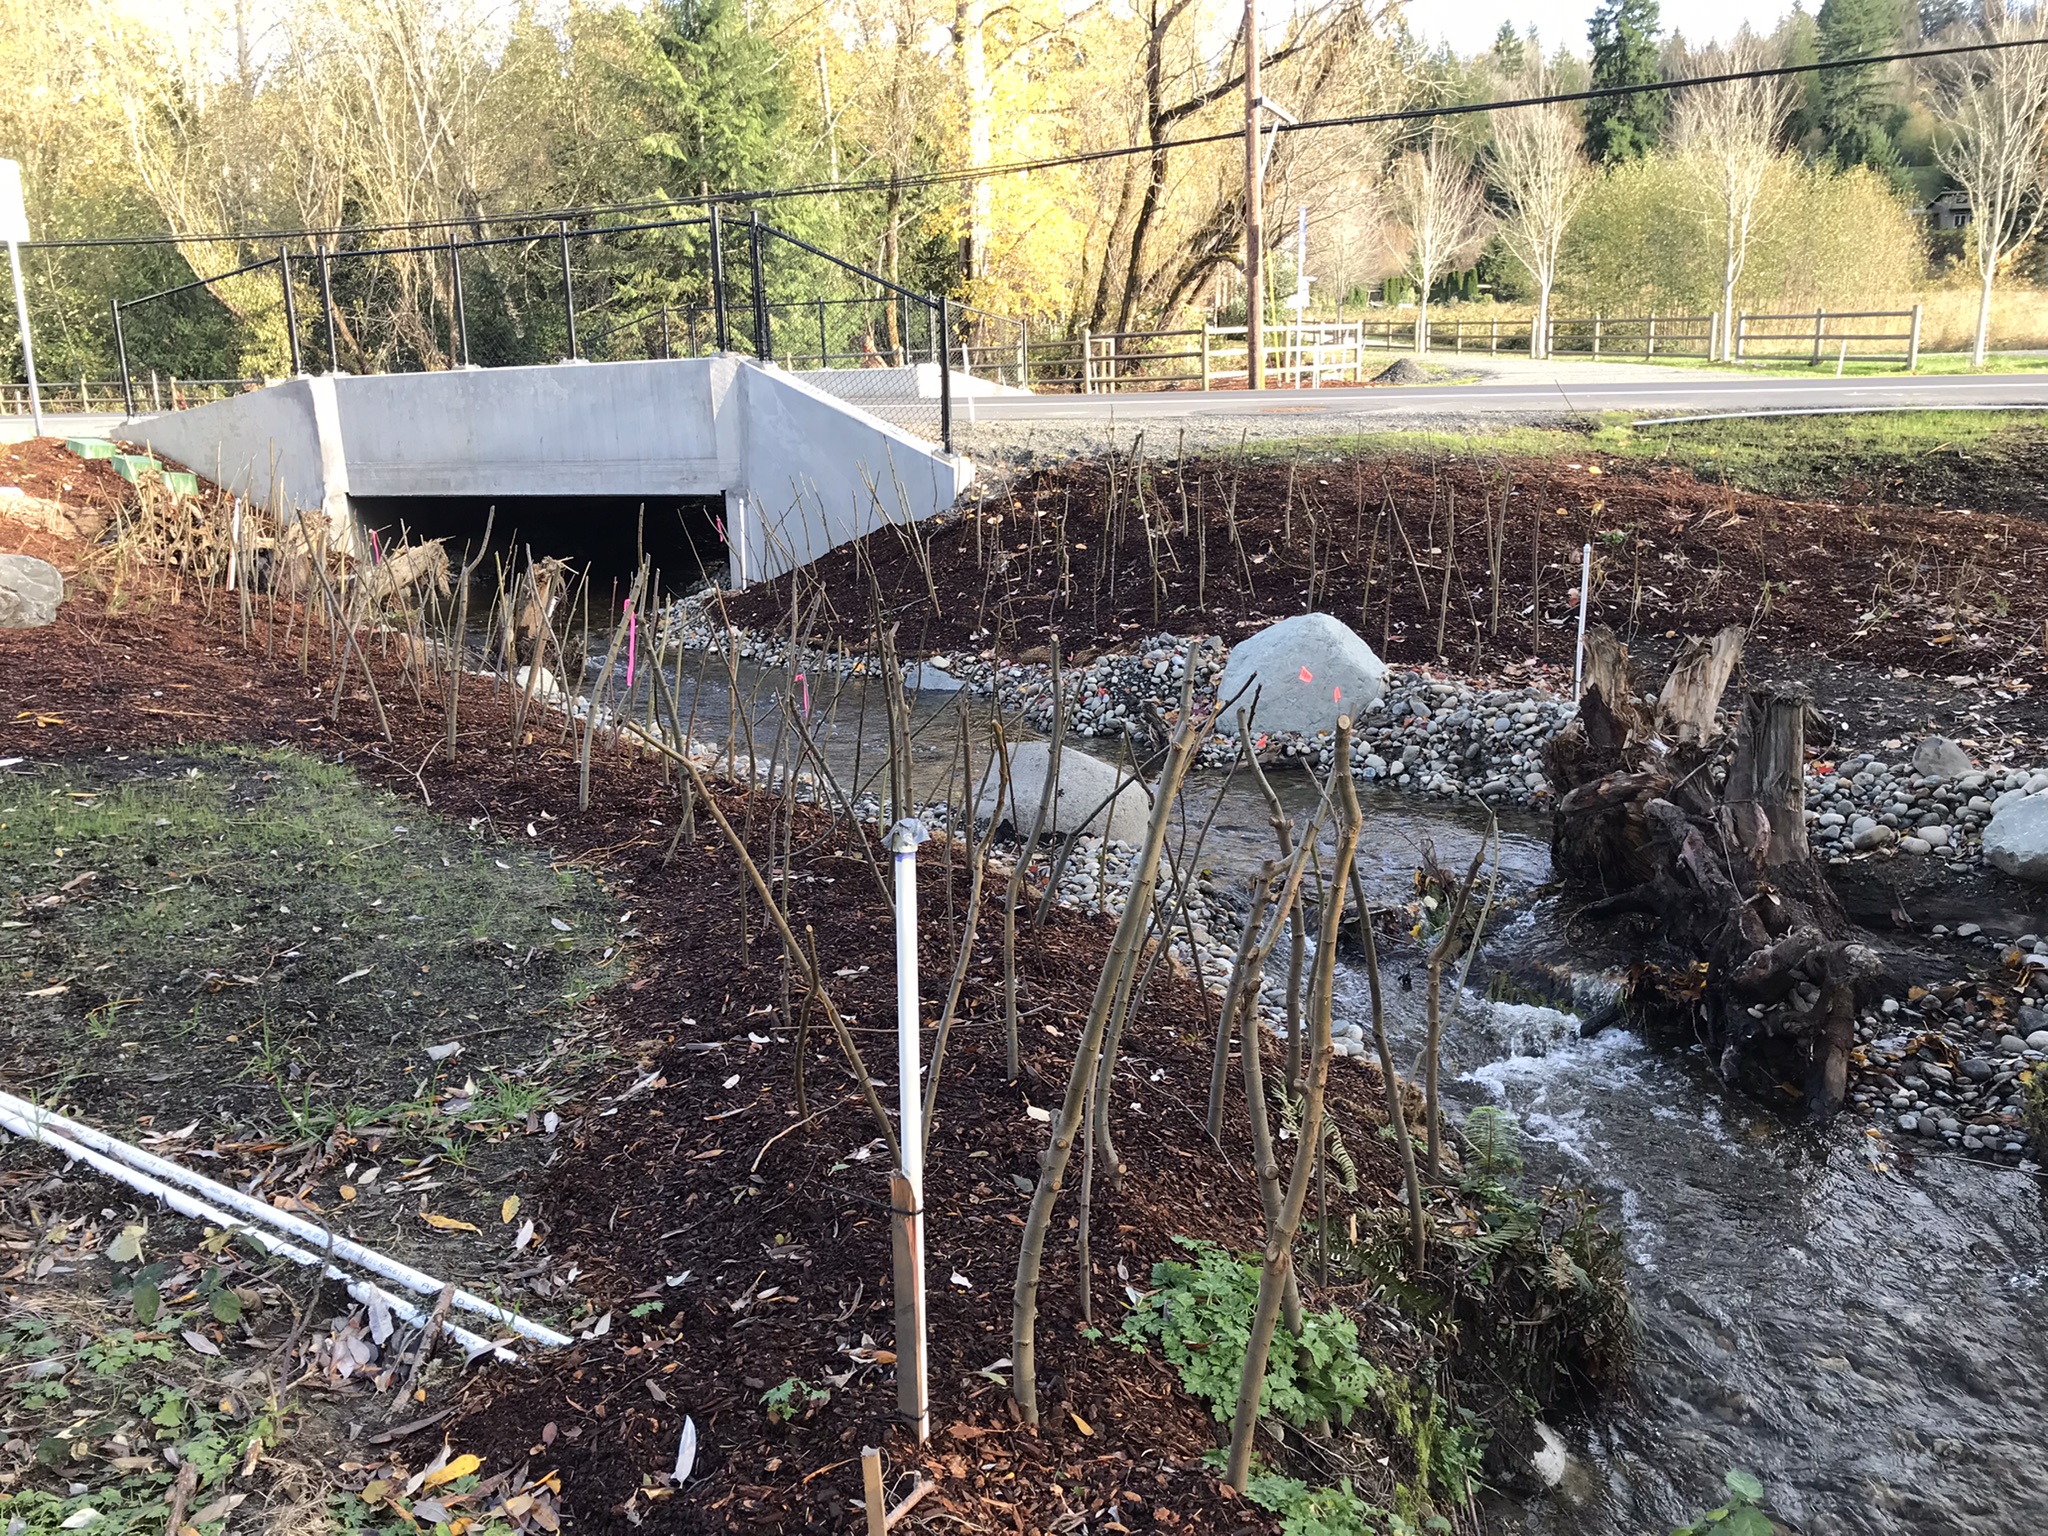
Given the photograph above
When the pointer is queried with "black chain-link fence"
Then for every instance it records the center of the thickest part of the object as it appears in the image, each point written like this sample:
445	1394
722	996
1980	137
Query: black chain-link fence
663	288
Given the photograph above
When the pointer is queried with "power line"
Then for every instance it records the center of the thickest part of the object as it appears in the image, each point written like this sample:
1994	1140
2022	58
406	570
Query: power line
968	174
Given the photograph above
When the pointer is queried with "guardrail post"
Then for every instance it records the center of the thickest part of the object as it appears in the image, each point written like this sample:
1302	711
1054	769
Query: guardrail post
718	322
1913	343
1741	336
291	308
1023	354
1087	361
327	308
1596	338
945	377
121	350
1205	356
568	286
1818	324
1650	338
156	394
1493	336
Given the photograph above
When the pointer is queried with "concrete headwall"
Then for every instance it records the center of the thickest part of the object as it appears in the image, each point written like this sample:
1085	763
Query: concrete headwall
801	470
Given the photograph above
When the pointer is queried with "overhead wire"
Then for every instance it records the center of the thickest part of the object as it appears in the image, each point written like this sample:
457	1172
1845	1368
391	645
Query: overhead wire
956	175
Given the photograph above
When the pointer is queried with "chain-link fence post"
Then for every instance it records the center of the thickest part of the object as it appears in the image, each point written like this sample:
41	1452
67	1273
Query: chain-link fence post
121	350
945	377
291	309
568	287
327	304
718	280
764	348
461	308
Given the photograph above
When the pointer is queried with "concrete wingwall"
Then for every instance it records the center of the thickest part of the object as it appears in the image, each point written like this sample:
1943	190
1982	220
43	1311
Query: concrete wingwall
800	470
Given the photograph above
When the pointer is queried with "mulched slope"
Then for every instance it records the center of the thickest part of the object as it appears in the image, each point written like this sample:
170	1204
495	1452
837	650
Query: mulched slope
1369	540
754	1198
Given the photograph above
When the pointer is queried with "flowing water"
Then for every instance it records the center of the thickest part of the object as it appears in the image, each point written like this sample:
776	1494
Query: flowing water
1861	1328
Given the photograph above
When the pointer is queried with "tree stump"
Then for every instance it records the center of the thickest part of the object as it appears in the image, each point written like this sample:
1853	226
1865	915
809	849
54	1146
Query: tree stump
1671	814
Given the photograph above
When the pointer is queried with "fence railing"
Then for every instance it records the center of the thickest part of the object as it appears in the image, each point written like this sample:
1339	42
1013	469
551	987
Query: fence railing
1822	336
563	292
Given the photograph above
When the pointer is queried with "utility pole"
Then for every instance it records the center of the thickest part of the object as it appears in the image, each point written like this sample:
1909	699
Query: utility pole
1254	212
14	231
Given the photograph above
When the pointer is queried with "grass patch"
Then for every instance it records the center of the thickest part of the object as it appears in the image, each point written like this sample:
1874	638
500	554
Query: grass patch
257	952
1971	457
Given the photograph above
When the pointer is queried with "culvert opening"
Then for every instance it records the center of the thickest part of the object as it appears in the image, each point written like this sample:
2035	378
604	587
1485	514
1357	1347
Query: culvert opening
681	537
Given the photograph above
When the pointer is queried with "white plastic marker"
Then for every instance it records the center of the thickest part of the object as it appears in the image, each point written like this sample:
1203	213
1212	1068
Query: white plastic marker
912	1399
1585	595
14	231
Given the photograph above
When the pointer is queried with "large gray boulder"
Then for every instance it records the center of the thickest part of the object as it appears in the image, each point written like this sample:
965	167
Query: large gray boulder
1307	671
2016	839
1085	783
1939	758
30	590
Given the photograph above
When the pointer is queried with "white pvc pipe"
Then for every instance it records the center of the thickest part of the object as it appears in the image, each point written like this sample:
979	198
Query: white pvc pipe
265	1214
903	840
1585	596
185	1204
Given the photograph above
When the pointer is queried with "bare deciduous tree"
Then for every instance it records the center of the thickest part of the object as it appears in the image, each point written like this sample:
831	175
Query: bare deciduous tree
1540	170
1995	107
1728	135
1439	201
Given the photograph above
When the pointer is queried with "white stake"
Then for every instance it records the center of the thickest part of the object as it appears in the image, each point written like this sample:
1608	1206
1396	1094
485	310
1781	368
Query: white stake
1585	595
912	1399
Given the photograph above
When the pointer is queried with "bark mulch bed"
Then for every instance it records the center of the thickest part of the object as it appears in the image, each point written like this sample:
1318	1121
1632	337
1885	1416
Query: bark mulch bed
779	1219
1404	548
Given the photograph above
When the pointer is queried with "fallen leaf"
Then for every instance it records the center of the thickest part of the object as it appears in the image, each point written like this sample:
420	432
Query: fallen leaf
355	975
686	1451
525	1233
201	1342
559	924
1080	1423
508	1210
461	1466
81	1519
127	1248
443	1052
447	1223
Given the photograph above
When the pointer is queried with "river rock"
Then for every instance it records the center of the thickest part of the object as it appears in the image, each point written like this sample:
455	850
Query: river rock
30	590
2016	839
1307	671
1940	758
1085	783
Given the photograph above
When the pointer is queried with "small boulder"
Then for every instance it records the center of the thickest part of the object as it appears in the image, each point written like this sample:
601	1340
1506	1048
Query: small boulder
30	590
1306	671
1940	758
2016	839
1085	784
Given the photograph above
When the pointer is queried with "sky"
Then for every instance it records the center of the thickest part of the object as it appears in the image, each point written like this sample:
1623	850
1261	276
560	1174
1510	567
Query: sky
1470	25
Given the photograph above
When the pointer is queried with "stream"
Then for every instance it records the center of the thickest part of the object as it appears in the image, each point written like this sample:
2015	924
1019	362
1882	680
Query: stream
1859	1326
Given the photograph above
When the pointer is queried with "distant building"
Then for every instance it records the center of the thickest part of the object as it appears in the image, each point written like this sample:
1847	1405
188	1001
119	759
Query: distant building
1949	210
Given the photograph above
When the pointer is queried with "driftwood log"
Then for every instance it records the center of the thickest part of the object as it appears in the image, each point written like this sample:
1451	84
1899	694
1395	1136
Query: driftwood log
1696	820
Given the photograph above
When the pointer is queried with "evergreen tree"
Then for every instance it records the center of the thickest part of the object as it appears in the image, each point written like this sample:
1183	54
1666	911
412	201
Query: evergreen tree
1853	107
1937	16
723	99
1624	38
1510	54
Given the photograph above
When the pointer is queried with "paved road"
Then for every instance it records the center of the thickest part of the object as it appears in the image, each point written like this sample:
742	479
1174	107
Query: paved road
1517	389
1654	394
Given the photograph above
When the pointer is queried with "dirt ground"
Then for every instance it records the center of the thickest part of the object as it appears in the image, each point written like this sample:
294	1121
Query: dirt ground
1900	617
716	1241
